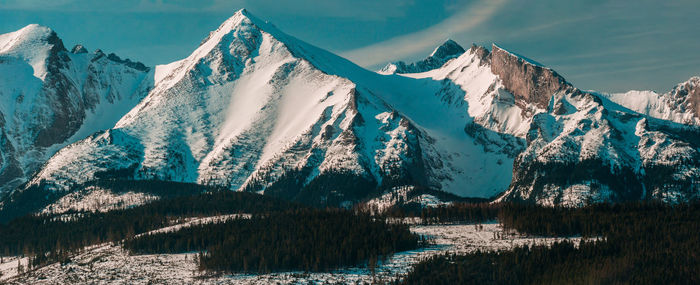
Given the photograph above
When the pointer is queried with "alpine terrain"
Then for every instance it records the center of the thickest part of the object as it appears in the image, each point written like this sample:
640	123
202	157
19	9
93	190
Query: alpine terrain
254	109
51	97
262	159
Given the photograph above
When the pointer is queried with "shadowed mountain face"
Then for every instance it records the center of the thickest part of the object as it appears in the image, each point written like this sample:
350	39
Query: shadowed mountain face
254	109
52	97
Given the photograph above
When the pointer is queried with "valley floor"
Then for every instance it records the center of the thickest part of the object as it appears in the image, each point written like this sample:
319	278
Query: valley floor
111	264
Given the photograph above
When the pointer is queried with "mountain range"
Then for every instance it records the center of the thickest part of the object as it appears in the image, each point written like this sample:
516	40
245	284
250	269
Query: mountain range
255	109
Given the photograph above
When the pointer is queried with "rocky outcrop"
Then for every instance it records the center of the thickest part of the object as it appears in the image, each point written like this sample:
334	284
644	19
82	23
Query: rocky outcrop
529	81
481	52
689	92
77	49
133	64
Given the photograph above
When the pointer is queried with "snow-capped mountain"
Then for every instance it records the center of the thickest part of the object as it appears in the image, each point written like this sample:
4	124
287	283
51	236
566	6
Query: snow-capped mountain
681	105
581	147
588	149
51	97
255	109
443	53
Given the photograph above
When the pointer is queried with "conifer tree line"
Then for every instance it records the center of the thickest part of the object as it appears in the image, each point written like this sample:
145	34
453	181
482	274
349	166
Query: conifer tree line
303	239
638	243
46	238
659	238
460	213
36	197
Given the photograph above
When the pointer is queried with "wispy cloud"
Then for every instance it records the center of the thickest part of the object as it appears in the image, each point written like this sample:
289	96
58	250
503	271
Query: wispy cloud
410	44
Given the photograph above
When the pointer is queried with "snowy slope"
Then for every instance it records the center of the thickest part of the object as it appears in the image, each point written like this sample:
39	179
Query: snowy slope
581	147
50	97
587	149
496	118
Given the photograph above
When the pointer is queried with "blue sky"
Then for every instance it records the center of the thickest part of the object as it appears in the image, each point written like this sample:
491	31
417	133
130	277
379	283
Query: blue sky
600	45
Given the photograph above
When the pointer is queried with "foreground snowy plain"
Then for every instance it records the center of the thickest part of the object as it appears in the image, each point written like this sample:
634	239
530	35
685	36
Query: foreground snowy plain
111	264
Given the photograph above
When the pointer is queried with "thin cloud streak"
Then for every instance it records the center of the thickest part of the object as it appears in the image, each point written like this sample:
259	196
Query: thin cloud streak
410	44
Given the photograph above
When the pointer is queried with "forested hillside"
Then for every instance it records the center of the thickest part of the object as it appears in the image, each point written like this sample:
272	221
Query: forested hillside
305	240
51	237
637	243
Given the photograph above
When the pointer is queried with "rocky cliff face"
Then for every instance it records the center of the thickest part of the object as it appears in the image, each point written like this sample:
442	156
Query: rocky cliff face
48	94
689	93
527	80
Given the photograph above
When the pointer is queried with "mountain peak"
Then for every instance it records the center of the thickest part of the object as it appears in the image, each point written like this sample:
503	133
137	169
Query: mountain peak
30	35
234	41
695	80
35	28
242	12
243	17
495	47
39	45
440	55
239	20
448	49
78	49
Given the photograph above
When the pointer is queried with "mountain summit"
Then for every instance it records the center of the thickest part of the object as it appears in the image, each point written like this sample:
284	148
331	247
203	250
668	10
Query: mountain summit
446	51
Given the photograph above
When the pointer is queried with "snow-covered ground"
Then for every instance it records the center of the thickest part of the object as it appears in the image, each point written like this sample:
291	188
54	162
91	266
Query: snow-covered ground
194	221
400	195
111	264
96	199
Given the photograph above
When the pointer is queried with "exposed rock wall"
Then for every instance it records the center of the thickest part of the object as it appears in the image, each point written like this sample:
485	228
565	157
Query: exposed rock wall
527	80
689	91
